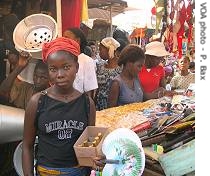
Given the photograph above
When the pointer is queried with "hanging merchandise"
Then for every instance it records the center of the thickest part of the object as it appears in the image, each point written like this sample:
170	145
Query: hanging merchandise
153	11
123	147
184	46
164	21
176	26
159	5
189	20
181	31
179	27
169	31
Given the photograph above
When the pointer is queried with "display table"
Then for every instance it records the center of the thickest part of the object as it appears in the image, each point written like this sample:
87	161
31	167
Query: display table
172	130
126	116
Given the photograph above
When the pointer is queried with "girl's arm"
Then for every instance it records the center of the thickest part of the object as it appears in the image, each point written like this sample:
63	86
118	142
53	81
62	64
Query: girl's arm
92	117
29	136
113	94
163	82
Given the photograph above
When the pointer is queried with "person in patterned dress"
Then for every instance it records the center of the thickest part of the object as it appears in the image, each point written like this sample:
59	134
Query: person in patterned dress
109	50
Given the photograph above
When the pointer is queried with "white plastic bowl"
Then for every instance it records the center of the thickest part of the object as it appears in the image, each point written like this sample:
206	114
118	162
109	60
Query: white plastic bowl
34	30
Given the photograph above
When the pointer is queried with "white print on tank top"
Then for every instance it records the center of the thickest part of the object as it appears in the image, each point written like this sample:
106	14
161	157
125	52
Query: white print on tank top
64	134
64	128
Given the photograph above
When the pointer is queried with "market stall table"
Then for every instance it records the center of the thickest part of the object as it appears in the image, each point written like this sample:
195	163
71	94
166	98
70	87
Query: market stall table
169	142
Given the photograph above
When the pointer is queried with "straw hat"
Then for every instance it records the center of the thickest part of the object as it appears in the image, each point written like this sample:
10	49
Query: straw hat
156	49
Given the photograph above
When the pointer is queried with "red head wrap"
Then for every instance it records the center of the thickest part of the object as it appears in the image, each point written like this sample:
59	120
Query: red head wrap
60	44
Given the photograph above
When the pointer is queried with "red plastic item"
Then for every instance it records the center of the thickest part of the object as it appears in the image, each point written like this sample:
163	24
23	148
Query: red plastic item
142	127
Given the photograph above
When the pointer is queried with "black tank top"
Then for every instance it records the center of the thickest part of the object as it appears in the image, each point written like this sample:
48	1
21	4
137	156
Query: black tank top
59	125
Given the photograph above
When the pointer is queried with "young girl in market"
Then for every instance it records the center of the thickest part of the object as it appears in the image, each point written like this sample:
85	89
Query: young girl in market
58	115
184	77
125	87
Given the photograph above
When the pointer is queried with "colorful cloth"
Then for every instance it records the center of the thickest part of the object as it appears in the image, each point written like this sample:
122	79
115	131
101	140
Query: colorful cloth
61	43
74	171
73	20
150	80
104	77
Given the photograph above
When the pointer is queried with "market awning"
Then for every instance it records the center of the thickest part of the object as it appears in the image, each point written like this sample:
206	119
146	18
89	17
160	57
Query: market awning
118	5
100	14
105	9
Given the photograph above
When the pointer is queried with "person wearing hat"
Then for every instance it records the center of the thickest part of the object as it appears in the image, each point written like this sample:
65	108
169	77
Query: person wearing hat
152	75
58	115
109	50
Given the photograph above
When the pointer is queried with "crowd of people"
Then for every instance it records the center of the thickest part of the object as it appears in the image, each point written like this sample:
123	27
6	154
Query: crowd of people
73	80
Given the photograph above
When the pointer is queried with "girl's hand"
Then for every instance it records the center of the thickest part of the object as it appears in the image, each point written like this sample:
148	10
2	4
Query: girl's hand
98	161
158	93
170	93
23	59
